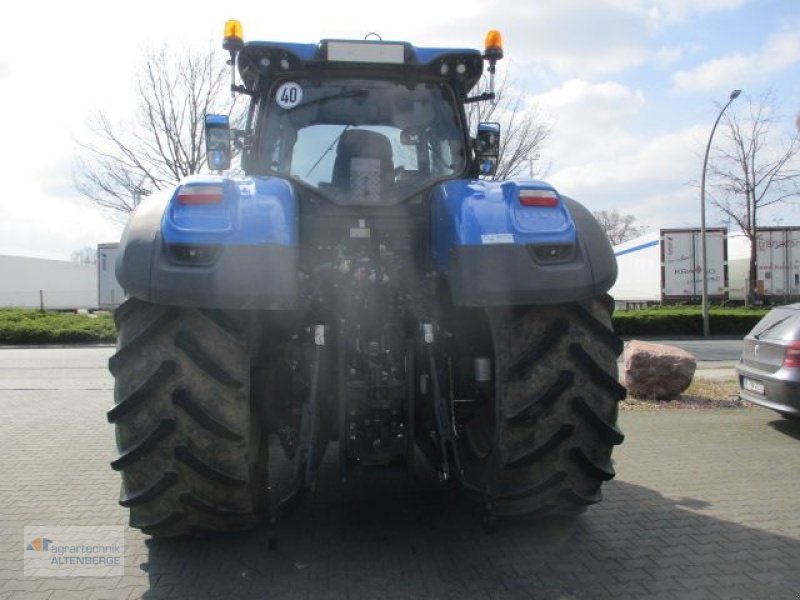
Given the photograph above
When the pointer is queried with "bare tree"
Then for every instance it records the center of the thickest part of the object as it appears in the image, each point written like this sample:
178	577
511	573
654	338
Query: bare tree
619	228
523	129
163	141
752	170
85	256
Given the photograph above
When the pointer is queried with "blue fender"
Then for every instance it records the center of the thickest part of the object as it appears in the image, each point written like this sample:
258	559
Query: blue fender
239	252
495	250
253	211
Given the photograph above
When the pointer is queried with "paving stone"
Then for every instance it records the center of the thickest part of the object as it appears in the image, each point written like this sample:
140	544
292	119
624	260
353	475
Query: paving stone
698	510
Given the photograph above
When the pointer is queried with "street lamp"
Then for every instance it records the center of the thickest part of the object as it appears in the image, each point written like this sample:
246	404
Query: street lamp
530	160
703	255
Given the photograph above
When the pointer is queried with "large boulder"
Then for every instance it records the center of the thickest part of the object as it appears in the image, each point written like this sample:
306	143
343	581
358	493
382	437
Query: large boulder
657	371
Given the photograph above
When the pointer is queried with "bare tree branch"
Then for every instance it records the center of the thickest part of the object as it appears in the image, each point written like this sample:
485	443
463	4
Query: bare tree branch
523	129
84	256
162	142
750	171
619	228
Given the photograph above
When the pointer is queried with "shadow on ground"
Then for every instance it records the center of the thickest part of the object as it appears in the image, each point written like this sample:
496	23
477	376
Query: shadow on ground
790	427
386	536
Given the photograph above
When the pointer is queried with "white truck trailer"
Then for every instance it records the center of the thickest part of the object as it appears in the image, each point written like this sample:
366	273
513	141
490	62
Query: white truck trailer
109	293
664	266
777	264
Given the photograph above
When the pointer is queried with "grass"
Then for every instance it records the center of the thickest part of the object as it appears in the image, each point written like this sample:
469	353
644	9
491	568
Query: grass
30	326
701	394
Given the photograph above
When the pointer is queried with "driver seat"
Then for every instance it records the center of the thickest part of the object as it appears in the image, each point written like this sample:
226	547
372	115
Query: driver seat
364	165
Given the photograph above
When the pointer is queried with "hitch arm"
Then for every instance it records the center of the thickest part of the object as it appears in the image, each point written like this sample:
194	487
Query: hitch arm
445	430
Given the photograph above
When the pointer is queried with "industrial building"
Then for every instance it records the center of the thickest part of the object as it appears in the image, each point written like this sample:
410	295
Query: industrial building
27	282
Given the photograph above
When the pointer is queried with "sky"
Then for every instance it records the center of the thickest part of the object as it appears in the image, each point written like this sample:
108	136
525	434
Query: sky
632	88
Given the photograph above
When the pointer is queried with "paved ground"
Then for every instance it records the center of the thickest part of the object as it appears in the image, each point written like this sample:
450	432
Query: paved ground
705	505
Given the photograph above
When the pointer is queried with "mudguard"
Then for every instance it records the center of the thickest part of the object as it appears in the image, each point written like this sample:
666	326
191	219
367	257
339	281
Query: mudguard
496	251
237	253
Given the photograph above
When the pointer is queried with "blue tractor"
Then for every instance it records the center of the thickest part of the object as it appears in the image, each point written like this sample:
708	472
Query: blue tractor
362	281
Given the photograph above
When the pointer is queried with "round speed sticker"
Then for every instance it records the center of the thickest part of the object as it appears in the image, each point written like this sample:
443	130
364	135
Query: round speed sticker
289	95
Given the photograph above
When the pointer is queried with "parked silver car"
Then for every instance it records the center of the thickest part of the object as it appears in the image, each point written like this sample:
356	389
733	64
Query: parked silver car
769	369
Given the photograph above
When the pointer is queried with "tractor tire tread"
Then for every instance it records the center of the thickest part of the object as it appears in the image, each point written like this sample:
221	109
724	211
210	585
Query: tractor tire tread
555	408
184	422
132	454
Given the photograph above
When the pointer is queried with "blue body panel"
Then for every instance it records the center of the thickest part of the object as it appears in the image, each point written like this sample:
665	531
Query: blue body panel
478	212
253	211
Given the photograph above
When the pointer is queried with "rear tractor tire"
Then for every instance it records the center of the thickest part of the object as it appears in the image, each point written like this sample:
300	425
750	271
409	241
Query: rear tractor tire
543	447
192	457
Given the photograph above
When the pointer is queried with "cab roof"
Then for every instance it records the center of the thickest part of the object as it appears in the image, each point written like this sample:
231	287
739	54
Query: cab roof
262	62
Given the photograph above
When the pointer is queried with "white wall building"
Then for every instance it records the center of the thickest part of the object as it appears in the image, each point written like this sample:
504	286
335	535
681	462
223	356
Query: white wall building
55	284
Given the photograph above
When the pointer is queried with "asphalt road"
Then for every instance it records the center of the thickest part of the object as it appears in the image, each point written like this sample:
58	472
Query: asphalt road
86	357
711	350
716	358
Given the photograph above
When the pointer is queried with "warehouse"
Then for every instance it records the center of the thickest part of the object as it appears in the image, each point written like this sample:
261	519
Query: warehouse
27	282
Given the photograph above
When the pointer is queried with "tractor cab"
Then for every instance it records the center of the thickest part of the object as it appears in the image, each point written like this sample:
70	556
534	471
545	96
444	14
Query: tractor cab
367	123
361	141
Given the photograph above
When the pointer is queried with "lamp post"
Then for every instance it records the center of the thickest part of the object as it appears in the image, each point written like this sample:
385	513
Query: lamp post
703	252
530	160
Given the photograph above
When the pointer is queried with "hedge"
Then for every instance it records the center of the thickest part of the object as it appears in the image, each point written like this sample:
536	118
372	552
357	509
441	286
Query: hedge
687	320
30	326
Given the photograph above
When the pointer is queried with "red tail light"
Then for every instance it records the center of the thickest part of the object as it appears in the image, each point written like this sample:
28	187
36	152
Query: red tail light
792	356
538	198
200	194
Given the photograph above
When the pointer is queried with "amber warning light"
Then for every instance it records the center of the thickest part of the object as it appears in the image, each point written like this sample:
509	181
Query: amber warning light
493	45
233	37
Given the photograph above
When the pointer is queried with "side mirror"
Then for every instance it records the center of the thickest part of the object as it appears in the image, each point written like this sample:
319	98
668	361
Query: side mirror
487	147
218	142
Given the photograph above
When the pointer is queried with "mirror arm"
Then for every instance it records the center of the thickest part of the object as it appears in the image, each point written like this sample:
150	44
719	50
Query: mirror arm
240	89
238	138
480	98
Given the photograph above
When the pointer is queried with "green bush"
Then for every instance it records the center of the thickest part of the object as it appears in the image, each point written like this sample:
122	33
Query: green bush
687	320
30	326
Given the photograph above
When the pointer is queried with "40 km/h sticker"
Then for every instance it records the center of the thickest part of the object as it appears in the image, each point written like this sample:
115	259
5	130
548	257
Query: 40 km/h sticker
289	95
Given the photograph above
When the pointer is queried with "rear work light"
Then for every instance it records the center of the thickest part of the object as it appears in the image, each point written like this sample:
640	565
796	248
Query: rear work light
538	198
200	194
792	356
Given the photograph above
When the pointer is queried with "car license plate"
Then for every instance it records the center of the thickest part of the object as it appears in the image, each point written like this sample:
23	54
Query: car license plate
753	386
